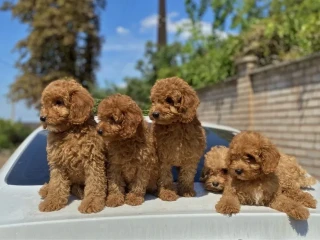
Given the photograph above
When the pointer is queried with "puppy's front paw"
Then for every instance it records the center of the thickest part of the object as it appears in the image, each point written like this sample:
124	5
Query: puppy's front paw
309	201
300	213
227	207
43	192
187	193
168	195
115	200
92	205
49	205
134	200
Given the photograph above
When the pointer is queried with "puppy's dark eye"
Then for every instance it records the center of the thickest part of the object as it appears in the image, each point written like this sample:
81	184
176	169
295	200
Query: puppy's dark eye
250	158
224	171
111	119
59	102
169	100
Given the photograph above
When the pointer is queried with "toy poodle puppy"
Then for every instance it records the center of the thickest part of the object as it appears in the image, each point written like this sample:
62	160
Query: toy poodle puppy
132	162
215	170
75	152
252	164
179	136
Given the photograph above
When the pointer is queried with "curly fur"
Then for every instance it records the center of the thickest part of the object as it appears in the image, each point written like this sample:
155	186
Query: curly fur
252	162
179	137
131	151
215	170
76	153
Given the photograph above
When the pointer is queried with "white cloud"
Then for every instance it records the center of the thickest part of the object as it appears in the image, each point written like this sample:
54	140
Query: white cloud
173	26
118	47
122	31
149	22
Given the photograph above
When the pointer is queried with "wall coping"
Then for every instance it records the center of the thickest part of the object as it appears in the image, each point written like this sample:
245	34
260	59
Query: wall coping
284	64
262	69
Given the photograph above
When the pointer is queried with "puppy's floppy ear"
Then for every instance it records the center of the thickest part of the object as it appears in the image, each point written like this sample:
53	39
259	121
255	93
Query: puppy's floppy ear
81	106
130	123
270	157
189	105
204	175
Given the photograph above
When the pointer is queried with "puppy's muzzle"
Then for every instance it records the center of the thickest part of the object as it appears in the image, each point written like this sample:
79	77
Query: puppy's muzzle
155	114
238	171
43	118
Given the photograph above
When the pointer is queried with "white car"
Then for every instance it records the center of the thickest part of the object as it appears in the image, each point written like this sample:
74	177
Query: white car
187	218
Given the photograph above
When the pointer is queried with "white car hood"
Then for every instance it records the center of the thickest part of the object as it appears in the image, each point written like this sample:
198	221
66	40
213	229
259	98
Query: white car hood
21	218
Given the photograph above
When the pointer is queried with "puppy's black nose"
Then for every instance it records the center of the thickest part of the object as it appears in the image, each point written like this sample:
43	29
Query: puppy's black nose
43	118
100	131
155	114
238	171
215	184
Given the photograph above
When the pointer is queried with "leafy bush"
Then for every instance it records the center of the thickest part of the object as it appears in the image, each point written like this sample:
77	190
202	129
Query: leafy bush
12	134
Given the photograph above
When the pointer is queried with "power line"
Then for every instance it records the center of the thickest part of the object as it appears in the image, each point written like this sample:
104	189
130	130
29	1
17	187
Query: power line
6	63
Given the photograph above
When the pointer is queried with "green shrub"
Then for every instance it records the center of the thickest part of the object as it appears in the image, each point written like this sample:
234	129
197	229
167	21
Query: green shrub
12	134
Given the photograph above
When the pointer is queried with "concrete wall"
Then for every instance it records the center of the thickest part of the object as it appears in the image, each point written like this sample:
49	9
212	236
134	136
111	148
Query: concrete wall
281	101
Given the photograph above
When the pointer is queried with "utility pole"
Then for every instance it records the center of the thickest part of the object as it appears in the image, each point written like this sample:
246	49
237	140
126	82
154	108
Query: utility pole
13	111
162	28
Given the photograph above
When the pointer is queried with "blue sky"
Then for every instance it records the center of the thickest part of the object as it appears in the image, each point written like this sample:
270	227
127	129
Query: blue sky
125	25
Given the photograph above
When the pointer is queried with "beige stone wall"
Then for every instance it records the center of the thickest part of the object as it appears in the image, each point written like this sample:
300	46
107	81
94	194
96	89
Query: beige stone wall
281	101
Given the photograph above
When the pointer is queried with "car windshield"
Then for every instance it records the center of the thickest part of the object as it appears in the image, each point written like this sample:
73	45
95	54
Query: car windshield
31	167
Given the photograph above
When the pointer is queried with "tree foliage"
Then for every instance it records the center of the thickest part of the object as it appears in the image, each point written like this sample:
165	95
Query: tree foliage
272	30
63	40
12	134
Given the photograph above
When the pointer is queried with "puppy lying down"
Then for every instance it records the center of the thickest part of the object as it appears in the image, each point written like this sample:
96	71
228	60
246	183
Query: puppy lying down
252	164
215	171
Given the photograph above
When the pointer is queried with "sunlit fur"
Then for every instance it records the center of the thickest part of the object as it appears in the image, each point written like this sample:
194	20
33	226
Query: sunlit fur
253	162
215	169
76	153
132	163
179	137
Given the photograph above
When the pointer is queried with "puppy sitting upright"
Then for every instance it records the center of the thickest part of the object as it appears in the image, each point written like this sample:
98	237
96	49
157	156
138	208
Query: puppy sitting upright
131	151
76	153
179	137
252	165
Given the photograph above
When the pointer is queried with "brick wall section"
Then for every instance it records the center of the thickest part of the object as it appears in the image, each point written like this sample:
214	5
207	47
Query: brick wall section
281	101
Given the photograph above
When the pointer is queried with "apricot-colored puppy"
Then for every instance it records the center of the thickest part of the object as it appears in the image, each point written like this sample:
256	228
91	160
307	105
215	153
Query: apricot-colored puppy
179	136
132	163
215	170
76	153
252	165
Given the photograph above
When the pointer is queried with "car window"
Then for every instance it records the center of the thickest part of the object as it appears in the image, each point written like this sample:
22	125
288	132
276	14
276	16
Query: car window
31	167
214	137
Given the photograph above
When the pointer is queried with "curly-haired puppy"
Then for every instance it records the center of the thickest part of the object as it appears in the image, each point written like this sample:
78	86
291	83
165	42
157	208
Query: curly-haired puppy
252	164
76	153
215	170
292	175
131	151
179	137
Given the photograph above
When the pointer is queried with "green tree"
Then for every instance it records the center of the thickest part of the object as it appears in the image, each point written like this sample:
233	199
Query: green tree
63	40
